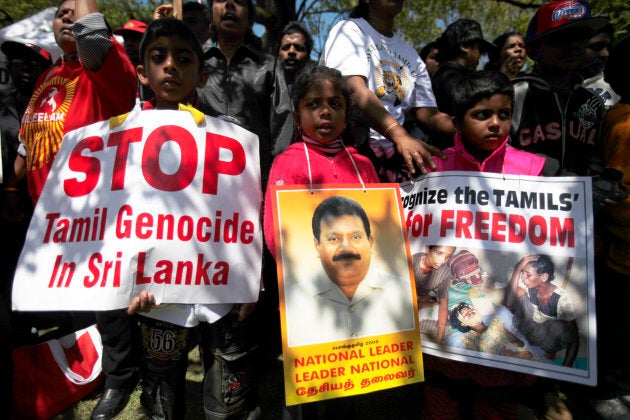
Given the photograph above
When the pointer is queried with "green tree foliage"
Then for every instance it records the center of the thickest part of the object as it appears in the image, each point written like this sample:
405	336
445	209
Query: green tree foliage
120	11
619	12
116	11
421	21
274	15
12	11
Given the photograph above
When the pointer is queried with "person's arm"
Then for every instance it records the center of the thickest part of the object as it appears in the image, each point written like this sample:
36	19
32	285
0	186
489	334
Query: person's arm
91	34
280	118
442	318
512	338
573	347
164	10
83	8
142	302
513	291
435	120
10	202
244	310
411	149
268	227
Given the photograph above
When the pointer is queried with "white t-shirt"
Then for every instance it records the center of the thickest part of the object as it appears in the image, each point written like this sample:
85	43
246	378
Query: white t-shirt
393	69
189	315
598	86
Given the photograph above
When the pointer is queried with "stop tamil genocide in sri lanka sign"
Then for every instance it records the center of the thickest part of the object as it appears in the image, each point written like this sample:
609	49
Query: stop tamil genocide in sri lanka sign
165	201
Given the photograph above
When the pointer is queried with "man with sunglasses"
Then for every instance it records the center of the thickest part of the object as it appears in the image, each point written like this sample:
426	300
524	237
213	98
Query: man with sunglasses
553	114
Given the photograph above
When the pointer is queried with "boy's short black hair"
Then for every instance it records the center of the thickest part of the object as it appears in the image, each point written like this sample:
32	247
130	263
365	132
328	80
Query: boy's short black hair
424	52
476	86
461	32
251	9
170	27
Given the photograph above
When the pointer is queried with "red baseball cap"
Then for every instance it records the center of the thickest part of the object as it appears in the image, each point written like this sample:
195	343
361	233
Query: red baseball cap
133	25
14	49
559	15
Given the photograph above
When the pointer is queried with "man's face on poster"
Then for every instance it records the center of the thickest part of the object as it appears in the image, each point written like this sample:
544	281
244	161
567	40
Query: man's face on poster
438	256
345	249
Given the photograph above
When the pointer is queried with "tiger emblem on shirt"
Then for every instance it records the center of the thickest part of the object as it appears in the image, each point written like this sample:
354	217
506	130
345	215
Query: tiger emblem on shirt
391	85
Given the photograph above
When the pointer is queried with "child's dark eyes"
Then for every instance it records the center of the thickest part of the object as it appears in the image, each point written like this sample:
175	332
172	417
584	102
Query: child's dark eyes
334	104
485	114
239	2
159	57
312	104
184	59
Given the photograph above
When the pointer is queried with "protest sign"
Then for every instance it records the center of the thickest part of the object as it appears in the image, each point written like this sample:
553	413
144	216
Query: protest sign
521	276
347	304
166	201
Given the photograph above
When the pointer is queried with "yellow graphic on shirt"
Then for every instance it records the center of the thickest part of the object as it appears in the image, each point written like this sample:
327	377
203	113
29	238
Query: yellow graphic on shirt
44	120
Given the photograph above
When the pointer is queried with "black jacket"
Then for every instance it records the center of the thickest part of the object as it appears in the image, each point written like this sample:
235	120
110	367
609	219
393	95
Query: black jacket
565	126
251	89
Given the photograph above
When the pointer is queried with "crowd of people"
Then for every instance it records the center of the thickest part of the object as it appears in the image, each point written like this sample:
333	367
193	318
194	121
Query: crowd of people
370	109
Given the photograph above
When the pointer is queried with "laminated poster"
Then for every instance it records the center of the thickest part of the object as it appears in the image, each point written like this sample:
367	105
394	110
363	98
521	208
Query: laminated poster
161	200
504	271
347	302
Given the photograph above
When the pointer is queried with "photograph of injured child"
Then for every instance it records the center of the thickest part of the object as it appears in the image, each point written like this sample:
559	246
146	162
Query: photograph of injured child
524	311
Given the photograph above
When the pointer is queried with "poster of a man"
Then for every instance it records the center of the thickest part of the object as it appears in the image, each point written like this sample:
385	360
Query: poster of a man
349	296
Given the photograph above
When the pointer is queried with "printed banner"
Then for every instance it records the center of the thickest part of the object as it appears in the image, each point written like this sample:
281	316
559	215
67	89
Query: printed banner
504	271
162	202
347	304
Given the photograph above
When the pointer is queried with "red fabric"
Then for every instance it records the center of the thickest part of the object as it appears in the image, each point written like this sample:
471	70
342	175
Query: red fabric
504	159
562	14
291	168
40	388
481	381
68	97
483	375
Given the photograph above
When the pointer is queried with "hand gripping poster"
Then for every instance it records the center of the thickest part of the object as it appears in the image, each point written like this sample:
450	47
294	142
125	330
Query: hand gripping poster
348	308
164	201
504	272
